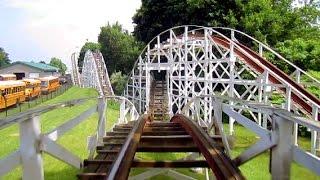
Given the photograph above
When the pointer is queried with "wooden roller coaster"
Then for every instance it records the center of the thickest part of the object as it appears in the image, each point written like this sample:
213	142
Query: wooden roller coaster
152	133
117	156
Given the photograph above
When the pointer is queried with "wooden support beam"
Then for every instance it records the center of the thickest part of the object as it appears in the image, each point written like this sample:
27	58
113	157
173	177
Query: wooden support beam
113	143
164	133
96	161
117	133
169	164
173	148
121	129
149	129
105	151
114	137
121	166
163	124
219	162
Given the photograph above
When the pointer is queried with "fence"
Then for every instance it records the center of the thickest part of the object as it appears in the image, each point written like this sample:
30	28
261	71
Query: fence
33	142
278	136
32	102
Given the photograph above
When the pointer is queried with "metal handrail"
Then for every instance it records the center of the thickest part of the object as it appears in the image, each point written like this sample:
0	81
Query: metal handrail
264	108
271	50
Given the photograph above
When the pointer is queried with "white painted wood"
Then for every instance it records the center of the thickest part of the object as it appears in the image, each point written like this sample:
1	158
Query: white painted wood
59	152
259	147
101	129
218	118
263	133
306	159
62	129
314	134
10	162
282	153
32	163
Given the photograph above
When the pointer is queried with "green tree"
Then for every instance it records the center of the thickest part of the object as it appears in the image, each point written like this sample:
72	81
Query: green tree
4	57
273	22
304	53
118	82
155	16
56	62
87	46
119	49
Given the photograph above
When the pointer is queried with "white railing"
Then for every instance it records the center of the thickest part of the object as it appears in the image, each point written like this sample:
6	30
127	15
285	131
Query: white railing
75	75
33	142
278	138
170	43
261	47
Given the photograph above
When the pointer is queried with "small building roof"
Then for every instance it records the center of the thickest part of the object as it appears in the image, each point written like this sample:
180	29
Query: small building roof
41	66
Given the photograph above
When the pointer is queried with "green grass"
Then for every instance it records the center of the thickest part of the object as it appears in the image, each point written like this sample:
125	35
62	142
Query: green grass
75	140
55	169
258	168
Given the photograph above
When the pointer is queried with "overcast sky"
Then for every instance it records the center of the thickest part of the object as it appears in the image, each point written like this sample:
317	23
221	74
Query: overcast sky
40	29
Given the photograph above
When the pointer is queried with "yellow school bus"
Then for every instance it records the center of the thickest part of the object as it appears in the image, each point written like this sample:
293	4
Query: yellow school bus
12	92
33	88
7	77
49	84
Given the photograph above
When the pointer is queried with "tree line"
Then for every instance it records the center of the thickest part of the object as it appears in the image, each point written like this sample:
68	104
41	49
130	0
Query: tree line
290	31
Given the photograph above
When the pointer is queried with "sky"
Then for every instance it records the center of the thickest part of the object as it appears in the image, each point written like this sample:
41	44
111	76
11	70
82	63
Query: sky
36	30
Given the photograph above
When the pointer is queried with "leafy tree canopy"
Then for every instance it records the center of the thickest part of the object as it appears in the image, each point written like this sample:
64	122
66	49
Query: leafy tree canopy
87	46
119	49
118	82
275	21
4	57
56	62
155	16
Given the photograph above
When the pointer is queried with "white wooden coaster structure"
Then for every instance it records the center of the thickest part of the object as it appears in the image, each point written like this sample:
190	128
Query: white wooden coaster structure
197	63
